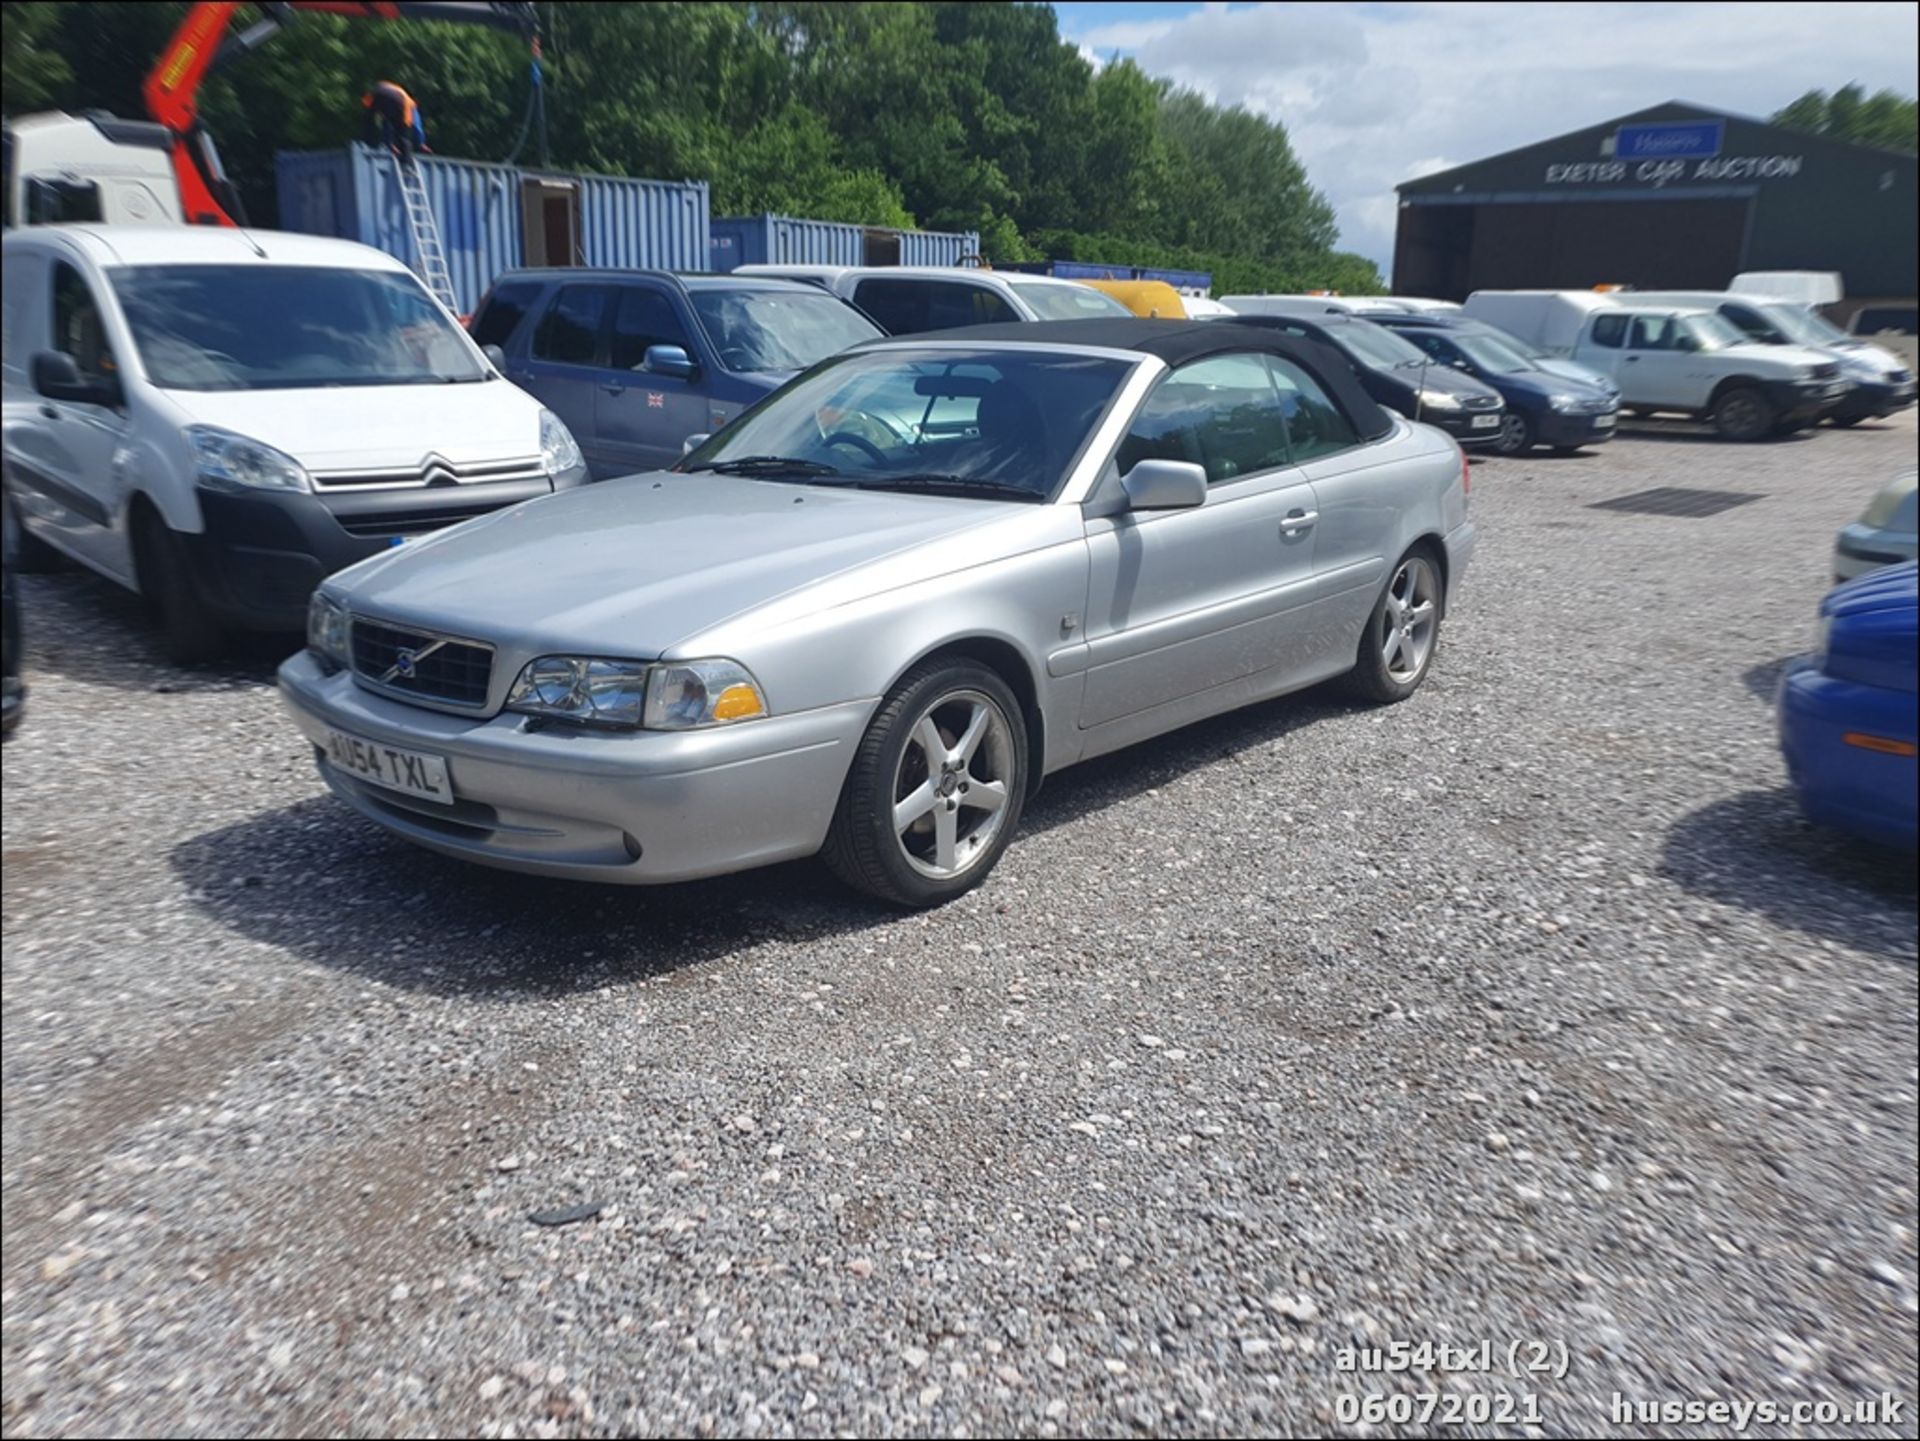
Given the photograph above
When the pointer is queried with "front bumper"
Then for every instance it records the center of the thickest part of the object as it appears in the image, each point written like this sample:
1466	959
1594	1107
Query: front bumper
1867	793
260	555
1797	400
631	807
1459	424
1555	427
1872	400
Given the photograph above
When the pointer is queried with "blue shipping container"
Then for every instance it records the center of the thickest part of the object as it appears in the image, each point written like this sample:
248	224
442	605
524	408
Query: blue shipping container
937	247
354	194
782	240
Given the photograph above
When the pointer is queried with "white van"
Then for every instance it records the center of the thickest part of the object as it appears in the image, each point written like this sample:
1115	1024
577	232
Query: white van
218	418
1308	306
1675	358
912	299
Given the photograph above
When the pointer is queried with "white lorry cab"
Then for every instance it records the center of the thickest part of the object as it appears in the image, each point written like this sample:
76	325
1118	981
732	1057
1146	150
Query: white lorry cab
1673	358
218	418
70	169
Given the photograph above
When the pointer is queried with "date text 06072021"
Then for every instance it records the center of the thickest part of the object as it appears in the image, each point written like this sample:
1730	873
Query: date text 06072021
1509	1358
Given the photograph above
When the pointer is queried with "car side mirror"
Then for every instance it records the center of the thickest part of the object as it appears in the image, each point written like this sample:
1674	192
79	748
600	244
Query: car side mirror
694	442
56	375
496	357
1165	485
668	360
1686	342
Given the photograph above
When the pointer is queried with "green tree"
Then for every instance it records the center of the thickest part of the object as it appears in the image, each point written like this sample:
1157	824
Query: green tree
1885	118
33	73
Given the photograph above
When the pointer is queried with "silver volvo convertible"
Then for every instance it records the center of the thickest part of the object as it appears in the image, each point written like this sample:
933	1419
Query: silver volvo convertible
867	617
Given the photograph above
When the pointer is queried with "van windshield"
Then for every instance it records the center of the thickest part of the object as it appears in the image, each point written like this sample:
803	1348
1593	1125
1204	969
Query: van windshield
760	330
1802	326
288	327
1375	345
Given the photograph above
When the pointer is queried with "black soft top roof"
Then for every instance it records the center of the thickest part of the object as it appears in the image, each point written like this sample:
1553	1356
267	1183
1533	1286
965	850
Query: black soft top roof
1177	342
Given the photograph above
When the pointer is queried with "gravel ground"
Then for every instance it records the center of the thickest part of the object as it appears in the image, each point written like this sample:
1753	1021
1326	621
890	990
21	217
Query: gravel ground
1526	1011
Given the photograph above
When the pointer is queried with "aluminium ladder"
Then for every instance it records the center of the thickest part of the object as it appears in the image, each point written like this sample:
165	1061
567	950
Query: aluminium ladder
432	258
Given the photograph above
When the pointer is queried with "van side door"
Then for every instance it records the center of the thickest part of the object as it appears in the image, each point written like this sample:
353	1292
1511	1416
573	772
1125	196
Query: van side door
565	359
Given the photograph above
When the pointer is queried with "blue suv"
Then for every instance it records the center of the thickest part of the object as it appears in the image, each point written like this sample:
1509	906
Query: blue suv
635	361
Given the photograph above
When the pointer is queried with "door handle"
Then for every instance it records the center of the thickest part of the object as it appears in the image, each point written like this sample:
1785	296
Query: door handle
1298	522
614	389
49	412
1633	360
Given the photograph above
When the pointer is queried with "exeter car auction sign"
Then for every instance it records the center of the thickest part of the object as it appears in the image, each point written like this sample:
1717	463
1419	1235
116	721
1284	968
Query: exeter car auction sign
1659	155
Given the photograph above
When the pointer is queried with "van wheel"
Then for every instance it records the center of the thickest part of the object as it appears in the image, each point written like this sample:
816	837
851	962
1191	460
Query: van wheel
1396	649
191	633
27	554
936	787
1743	413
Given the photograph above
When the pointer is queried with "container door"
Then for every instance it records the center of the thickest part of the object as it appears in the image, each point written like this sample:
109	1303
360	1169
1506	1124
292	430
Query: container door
550	222
643	417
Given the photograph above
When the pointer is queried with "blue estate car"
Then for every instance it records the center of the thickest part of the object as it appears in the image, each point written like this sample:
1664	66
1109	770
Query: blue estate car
1849	713
635	361
1542	408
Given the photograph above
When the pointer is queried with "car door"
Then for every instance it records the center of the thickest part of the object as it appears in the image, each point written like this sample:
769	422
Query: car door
62	454
1663	374
1182	601
565	364
1604	348
642	418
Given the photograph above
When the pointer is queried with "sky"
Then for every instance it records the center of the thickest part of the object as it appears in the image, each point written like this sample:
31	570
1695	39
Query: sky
1376	93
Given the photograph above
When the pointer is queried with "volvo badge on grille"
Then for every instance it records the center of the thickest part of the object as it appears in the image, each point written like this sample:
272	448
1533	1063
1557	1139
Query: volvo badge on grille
406	662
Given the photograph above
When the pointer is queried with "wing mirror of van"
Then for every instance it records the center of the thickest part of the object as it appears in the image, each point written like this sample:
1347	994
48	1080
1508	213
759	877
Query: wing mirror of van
668	360
1165	485
694	442
56	375
496	357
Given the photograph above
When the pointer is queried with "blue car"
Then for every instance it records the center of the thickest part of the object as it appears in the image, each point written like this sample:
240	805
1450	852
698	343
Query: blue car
1543	408
1849	718
636	361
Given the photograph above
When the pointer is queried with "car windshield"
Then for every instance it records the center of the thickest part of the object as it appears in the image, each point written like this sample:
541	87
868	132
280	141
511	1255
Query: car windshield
1375	345
289	327
1802	326
1489	352
1068	302
778	329
997	424
1712	332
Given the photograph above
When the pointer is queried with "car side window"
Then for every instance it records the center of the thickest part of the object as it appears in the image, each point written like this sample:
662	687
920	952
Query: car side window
1315	425
1652	332
1610	330
1878	320
1751	322
570	330
898	307
951	304
645	317
77	326
1222	413
503	310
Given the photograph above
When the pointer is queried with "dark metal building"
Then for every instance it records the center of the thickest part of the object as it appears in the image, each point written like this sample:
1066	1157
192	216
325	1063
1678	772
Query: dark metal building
1675	197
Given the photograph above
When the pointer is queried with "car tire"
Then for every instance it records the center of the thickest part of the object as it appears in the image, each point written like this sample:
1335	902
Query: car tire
1743	414
1845	421
947	842
1515	437
27	554
192	635
1395	656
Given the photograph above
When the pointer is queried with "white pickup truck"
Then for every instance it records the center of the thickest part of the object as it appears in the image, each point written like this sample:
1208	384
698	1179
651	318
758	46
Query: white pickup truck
1674	358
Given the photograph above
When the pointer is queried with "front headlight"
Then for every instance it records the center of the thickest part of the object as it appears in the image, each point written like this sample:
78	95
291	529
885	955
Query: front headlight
559	452
1563	402
586	689
1822	634
685	694
1438	400
1861	368
234	463
327	621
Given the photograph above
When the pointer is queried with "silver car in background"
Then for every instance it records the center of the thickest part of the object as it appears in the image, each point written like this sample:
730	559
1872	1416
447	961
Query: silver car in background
867	617
1887	532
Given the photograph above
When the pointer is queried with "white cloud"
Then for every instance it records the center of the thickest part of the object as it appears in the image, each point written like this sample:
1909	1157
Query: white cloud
1374	94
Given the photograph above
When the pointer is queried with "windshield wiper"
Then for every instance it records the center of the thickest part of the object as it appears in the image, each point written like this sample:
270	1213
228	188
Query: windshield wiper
933	482
766	465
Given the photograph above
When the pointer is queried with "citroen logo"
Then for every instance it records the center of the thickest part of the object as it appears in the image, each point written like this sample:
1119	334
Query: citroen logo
406	662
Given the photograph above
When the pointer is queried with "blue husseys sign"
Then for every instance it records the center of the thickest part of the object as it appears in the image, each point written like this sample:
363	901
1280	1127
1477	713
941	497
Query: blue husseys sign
1689	140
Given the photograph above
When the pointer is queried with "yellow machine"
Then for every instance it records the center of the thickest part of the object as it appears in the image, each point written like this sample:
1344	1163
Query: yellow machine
1144	297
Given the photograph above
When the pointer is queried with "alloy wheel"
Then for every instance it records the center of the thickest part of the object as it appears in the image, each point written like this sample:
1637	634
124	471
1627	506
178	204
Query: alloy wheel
950	790
1411	620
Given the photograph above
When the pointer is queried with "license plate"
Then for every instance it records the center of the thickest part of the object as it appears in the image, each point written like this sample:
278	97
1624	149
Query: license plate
1485	422
390	766
1603	422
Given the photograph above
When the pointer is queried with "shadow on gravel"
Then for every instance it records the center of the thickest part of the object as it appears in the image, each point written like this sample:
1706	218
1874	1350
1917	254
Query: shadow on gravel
82	627
1764	680
1756	851
328	886
1687	432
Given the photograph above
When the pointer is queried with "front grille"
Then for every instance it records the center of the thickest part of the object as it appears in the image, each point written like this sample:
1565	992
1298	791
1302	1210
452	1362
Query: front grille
1593	405
1480	402
431	471
414	522
420	665
1825	371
